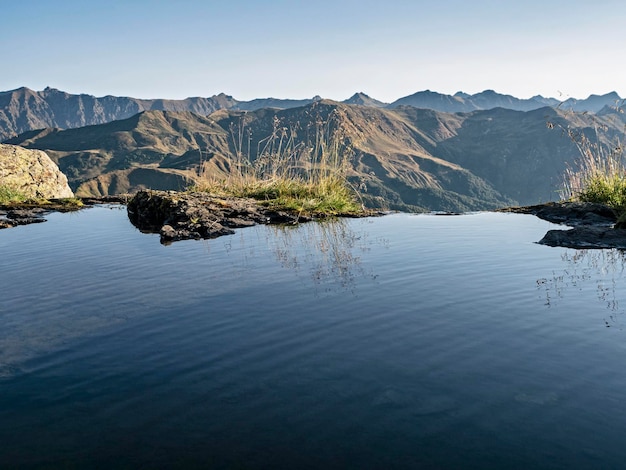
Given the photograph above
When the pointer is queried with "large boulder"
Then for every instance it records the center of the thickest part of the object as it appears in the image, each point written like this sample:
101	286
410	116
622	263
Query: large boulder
32	173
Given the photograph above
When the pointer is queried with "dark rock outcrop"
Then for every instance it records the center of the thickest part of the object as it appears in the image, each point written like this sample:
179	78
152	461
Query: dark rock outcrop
585	237
573	214
182	216
593	225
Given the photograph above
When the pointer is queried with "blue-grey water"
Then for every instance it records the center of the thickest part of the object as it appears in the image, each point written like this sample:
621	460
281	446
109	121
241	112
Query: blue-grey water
402	341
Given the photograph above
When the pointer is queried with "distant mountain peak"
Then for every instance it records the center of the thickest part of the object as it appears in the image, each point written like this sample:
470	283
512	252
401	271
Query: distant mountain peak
363	99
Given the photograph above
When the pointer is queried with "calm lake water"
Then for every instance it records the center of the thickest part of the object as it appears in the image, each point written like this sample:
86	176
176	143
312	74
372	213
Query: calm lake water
395	342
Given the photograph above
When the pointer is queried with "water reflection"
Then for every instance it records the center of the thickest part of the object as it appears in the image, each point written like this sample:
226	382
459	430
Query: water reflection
329	252
597	271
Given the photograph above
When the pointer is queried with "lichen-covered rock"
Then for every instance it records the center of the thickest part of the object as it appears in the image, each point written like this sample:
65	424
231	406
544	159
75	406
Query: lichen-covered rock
32	173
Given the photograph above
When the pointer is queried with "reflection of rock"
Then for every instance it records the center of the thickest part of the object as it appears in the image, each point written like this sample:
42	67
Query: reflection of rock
32	173
183	216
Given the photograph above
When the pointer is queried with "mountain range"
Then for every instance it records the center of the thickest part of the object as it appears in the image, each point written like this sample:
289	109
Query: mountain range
401	157
23	109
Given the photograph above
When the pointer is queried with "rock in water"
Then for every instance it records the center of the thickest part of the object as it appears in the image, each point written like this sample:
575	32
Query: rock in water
32	173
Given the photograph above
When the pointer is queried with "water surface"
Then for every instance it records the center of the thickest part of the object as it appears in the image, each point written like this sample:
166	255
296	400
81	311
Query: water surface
395	342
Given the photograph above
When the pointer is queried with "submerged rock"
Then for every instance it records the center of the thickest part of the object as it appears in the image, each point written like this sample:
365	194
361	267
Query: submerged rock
183	216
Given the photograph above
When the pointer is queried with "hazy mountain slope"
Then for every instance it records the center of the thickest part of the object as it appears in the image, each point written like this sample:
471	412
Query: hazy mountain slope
489	99
277	103
440	102
463	102
23	109
517	152
513	150
593	103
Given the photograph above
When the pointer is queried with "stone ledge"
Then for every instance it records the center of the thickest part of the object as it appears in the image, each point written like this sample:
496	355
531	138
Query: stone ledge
593	225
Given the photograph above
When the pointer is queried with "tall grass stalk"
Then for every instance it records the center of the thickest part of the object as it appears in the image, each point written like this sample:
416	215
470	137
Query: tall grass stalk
599	174
288	172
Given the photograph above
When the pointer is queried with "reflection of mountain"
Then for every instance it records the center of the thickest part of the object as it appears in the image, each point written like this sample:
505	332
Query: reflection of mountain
604	269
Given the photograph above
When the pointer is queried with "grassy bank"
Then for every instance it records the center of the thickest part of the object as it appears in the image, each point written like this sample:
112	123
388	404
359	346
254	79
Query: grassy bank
329	196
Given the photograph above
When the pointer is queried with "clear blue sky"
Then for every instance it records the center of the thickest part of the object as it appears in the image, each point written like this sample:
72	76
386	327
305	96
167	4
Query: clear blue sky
298	49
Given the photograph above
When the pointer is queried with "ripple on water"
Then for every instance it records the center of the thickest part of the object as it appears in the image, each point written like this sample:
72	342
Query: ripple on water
396	341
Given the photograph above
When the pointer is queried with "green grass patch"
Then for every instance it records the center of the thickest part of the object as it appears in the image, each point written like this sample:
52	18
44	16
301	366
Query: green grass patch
599	175
11	197
8	195
70	203
330	196
605	189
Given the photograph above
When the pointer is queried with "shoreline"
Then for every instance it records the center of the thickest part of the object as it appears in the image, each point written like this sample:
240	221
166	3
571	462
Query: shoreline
175	215
195	215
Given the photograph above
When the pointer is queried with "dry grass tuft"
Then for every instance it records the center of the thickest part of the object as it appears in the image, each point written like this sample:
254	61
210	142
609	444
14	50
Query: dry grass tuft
599	174
289	173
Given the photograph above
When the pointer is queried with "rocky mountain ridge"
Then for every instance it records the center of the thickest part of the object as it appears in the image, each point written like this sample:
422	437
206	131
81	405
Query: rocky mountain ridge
23	109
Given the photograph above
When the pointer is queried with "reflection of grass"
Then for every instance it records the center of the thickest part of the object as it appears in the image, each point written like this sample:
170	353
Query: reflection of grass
327	248
604	268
